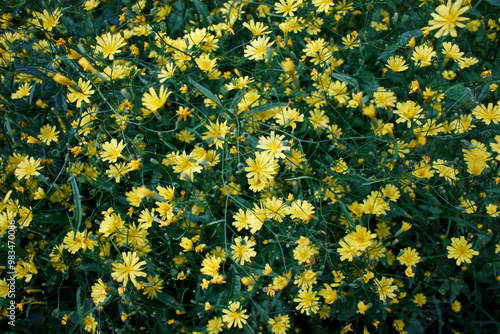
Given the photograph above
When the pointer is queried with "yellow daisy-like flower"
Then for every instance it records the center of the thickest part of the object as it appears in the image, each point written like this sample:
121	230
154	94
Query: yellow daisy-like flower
308	302
99	292
153	101
447	17
385	288
243	250
287	7
234	315
129	269
109	44
111	151
423	55
396	64
215	134
22	91
258	48
48	134
81	96
28	168
461	250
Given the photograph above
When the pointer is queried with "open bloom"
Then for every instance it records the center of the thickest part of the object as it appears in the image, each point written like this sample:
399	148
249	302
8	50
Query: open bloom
109	44
461	250
129	269
153	101
234	315
243	250
258	48
83	95
447	17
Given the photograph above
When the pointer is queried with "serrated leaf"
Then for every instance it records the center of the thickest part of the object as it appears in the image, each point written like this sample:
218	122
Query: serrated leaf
266	107
346	78
206	92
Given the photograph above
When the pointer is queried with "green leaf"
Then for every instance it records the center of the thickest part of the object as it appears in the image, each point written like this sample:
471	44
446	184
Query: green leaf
205	91
484	93
9	128
494	2
267	106
346	214
402	41
455	92
203	11
78	202
461	97
346	78
170	301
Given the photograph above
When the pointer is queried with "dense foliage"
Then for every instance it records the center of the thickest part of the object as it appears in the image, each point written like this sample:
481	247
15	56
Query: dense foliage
275	167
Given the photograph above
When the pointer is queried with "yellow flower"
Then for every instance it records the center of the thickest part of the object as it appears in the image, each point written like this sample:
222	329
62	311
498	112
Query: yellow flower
257	50
308	302
488	114
420	299
210	266
243	250
273	144
288	117
215	325
153	287
48	134
109	44
287	7
397	64
28	168
205	63
49	21
408	111
360	238
409	257
447	17
99	292
423	55
385	288
234	315
82	95
186	166
22	91
261	170
153	101
456	306
322	5
328	294
129	269
215	134
90	324
451	51
362	308
111	150
461	250
256	28
279	324
91	4
476	157
73	242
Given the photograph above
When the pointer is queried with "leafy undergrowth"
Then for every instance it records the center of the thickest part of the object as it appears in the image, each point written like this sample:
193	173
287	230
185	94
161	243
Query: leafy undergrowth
274	167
